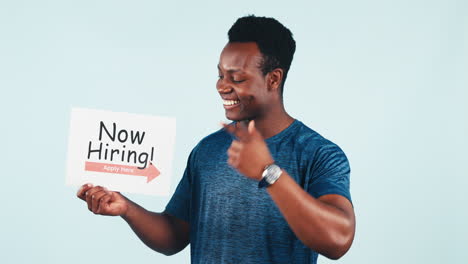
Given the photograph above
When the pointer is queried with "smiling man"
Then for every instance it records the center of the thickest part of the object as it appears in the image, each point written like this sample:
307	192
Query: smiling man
265	188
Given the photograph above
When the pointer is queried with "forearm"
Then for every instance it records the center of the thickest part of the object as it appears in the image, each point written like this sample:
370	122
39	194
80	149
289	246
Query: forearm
320	226
157	230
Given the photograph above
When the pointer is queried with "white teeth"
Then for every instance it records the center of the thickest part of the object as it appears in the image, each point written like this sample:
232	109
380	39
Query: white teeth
230	102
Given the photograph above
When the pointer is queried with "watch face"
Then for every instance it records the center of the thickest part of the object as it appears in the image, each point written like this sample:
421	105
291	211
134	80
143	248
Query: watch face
270	175
273	173
269	178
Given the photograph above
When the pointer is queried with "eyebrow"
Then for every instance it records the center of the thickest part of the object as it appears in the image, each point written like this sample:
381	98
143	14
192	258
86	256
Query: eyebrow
232	70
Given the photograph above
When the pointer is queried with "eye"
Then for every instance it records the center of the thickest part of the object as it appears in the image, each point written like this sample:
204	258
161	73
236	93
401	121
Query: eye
220	76
238	81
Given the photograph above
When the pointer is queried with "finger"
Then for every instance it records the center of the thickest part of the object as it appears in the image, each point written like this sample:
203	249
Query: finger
89	196
251	126
96	197
232	153
82	190
236	145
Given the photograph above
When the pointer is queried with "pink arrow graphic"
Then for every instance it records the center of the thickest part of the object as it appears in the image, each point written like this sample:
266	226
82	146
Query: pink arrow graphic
149	172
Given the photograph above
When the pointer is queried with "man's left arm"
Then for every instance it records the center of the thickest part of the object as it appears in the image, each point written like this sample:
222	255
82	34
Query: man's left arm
325	224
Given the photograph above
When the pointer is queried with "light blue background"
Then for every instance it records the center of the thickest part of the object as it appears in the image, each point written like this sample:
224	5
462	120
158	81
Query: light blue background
386	80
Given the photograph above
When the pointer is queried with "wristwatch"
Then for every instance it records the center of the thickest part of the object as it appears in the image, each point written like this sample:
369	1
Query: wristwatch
270	175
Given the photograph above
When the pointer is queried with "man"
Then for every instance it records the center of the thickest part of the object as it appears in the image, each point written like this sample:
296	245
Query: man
265	188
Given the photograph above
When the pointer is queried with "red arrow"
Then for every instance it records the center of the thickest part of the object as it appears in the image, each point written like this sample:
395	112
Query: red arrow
149	172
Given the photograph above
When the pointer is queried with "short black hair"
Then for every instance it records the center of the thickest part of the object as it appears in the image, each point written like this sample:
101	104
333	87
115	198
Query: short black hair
274	41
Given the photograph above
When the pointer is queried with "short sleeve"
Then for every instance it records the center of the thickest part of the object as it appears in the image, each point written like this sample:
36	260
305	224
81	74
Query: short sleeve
329	172
179	205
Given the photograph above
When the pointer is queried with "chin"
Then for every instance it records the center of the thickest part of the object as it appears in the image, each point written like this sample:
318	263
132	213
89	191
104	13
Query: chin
233	118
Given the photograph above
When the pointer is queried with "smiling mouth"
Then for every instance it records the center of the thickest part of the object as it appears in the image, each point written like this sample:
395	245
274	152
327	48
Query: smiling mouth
230	102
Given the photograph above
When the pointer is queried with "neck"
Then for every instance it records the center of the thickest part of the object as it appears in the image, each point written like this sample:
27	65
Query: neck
273	122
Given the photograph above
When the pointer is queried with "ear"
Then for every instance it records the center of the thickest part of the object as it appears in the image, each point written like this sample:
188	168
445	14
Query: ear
275	77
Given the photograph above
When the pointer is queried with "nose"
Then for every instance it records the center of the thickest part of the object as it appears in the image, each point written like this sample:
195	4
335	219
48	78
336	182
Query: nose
223	87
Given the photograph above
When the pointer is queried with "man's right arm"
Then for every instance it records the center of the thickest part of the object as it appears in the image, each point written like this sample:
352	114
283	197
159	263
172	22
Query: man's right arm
159	231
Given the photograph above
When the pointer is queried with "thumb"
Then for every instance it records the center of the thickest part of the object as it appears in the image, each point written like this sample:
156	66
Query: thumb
252	129
115	196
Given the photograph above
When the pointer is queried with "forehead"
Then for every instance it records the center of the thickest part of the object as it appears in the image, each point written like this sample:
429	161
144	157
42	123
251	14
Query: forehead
240	56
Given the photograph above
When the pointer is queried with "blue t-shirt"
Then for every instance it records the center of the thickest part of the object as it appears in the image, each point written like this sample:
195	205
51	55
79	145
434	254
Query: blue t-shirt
231	219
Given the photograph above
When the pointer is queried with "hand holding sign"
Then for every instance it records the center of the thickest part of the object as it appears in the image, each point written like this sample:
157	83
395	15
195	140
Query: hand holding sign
249	154
102	201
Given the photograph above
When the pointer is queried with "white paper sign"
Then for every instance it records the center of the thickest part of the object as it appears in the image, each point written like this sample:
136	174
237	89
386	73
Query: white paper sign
121	151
